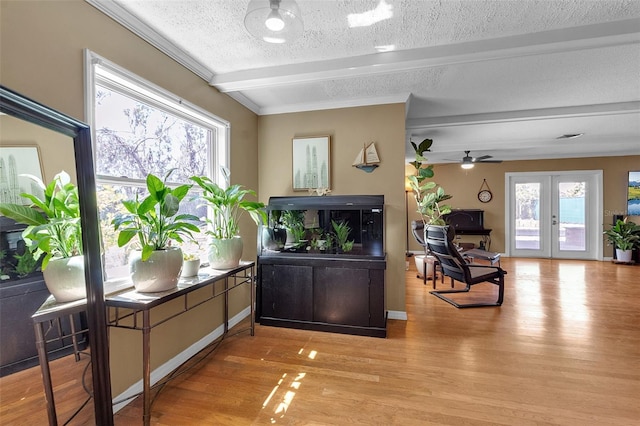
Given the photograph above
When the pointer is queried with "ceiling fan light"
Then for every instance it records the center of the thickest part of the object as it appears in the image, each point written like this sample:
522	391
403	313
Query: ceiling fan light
274	21
467	165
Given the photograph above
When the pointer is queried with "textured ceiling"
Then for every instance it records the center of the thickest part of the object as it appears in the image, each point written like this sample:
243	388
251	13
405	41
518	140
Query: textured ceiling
503	78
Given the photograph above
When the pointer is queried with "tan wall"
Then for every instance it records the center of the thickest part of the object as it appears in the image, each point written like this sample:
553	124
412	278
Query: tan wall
465	184
349	129
41	48
55	147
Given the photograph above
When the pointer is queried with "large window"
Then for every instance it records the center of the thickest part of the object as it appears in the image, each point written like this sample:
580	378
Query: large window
138	129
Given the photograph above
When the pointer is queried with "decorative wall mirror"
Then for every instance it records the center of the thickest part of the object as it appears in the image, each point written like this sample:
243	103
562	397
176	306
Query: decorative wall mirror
17	107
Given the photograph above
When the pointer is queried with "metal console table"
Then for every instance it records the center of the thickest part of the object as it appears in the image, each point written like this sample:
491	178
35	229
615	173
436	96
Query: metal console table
128	306
48	329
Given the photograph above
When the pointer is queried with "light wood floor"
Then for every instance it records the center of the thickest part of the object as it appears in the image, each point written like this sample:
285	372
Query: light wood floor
564	349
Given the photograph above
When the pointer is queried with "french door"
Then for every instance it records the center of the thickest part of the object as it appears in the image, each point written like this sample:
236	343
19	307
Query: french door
554	214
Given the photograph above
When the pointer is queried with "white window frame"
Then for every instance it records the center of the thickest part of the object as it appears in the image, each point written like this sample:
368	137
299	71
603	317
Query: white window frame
100	71
97	66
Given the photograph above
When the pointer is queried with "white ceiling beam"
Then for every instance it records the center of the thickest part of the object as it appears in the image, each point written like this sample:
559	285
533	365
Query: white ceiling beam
546	42
334	104
632	107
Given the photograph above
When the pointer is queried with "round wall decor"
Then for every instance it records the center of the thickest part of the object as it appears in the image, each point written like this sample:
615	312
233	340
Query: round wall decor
485	195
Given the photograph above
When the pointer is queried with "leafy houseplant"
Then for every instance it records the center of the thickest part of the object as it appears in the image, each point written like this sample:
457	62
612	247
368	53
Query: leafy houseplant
625	236
428	194
341	230
293	222
156	223
54	234
26	264
227	206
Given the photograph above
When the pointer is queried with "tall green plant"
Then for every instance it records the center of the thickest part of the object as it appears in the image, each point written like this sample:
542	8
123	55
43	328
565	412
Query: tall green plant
53	221
428	194
155	220
227	205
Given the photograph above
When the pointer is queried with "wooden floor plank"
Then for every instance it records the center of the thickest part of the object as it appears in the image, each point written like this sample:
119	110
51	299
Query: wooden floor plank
564	349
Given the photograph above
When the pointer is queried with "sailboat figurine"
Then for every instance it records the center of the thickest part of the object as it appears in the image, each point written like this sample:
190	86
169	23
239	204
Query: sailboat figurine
367	158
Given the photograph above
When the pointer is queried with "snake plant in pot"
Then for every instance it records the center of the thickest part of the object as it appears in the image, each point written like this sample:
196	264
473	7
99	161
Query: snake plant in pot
54	234
227	206
155	221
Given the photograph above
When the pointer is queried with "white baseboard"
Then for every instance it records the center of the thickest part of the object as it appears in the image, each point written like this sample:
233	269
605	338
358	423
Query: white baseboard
397	315
178	360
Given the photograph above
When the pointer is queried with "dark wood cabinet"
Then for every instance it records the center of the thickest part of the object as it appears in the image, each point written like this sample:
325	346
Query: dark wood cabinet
314	283
319	293
287	292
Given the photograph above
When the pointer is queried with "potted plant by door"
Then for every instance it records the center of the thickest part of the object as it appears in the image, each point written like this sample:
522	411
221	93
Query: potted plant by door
54	234
155	221
624	236
227	205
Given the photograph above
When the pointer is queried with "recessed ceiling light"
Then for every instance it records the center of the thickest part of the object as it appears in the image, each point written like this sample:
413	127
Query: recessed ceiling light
570	136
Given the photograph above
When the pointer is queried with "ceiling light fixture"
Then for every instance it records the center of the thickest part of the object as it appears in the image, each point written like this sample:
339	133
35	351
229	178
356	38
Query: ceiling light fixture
274	21
467	161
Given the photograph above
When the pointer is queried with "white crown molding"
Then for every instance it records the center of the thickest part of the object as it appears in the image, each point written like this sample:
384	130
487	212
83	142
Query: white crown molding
244	101
525	115
546	42
144	31
334	104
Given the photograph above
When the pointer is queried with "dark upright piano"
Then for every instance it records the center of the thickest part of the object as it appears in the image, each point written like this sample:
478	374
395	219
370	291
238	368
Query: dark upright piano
469	222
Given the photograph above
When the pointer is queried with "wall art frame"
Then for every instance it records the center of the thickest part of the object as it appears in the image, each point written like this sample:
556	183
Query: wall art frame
311	163
633	194
15	162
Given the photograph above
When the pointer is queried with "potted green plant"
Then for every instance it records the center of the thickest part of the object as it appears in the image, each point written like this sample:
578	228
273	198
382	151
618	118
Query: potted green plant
227	206
428	194
293	221
54	234
190	264
155	222
624	236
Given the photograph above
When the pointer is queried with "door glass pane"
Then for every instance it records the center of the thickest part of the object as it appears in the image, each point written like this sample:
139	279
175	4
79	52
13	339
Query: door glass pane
527	216
572	206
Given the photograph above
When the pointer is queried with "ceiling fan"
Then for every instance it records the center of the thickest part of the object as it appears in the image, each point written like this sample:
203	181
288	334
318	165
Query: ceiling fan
468	162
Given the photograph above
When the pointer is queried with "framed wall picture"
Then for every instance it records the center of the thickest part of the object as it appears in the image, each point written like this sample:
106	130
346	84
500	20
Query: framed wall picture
311	163
633	194
16	161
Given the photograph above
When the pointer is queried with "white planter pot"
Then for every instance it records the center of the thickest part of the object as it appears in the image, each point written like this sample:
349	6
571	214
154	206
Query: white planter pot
64	278
158	273
225	254
190	268
623	255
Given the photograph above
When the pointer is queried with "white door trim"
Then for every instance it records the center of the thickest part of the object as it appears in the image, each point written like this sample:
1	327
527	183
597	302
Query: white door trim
595	217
